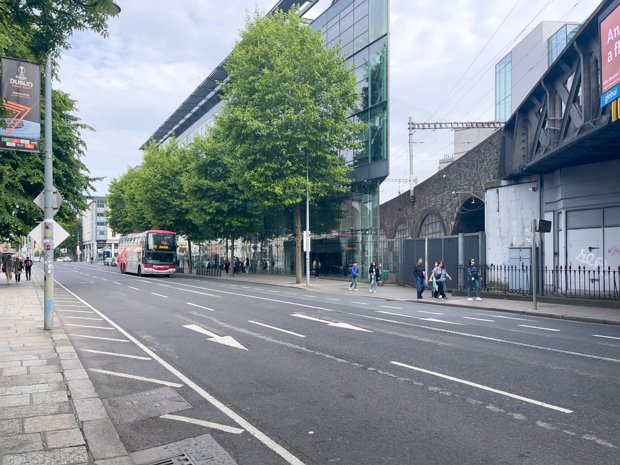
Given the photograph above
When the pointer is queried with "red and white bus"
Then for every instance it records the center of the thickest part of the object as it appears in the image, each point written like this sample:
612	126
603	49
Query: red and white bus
149	252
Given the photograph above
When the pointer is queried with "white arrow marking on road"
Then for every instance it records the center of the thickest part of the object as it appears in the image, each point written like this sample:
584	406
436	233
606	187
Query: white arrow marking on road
206	424
226	340
330	323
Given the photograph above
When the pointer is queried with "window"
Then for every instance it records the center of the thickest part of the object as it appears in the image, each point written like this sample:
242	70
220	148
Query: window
557	42
431	226
503	88
402	232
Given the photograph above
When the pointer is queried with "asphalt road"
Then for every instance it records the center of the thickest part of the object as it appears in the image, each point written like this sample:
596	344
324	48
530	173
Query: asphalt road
291	376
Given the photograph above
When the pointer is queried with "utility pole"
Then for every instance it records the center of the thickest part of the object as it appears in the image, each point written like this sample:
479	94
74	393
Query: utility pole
48	222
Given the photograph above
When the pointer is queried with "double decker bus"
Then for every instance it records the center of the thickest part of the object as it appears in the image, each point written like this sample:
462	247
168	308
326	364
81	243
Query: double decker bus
151	252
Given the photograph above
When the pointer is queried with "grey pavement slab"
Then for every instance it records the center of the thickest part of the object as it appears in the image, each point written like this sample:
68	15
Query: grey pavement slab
21	443
50	423
65	438
103	440
10	427
90	409
64	456
82	389
26	411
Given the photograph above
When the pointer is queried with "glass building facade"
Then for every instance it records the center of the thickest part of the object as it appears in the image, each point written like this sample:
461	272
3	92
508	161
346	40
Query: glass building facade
558	41
503	88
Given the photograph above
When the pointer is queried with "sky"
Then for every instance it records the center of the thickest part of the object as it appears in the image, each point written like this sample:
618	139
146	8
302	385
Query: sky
442	59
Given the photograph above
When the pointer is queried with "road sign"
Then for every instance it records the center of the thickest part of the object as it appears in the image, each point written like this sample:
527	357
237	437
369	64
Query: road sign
56	200
59	234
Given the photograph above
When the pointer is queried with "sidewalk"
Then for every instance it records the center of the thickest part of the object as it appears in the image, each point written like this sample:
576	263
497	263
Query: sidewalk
50	413
404	294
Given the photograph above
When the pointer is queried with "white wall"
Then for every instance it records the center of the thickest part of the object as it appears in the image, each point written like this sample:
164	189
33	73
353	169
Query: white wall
508	215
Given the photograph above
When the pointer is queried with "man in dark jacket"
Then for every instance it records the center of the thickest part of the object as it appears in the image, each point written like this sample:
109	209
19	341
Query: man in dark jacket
419	274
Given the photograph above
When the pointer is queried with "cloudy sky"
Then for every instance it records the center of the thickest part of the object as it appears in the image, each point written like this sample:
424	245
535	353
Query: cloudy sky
442	57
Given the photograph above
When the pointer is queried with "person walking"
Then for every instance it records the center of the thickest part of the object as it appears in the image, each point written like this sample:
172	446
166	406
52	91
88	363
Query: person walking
441	283
373	272
317	268
434	279
419	275
28	268
17	268
473	279
355	271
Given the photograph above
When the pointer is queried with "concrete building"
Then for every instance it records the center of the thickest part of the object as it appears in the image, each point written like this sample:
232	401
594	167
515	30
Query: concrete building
96	235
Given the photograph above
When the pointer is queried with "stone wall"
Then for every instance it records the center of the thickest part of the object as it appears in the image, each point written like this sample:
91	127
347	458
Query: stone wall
465	176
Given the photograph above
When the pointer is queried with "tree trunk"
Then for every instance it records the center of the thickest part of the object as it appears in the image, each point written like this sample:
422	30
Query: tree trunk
232	258
189	257
298	242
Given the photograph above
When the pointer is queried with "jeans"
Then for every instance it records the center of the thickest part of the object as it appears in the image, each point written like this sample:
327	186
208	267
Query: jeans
353	284
373	283
420	285
473	281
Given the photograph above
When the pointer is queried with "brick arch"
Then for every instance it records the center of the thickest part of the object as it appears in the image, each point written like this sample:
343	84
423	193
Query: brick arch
468	216
424	214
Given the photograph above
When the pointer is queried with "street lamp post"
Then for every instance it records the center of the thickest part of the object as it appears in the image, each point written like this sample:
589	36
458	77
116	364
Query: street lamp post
307	244
48	222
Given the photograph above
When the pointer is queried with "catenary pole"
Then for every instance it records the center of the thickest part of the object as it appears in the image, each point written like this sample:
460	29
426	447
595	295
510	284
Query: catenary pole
48	222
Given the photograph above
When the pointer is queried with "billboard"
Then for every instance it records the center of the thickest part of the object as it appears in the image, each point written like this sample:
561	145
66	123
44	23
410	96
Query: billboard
20	91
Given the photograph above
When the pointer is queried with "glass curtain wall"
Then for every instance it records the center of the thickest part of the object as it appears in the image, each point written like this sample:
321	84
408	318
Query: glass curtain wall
503	88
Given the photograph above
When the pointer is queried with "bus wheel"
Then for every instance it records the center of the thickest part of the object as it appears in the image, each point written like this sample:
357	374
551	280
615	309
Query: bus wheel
139	271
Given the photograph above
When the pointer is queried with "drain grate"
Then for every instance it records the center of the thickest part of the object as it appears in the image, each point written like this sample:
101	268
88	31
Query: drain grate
178	460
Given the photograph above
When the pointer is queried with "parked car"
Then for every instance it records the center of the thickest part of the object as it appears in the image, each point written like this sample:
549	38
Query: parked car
66	259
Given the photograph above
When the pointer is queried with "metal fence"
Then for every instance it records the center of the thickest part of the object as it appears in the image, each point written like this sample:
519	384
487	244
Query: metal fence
580	282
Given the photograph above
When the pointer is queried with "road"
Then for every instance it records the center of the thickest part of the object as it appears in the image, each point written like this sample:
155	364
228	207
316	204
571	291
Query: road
294	376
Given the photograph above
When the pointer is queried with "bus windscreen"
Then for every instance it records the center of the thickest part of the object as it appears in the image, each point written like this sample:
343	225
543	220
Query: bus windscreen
162	242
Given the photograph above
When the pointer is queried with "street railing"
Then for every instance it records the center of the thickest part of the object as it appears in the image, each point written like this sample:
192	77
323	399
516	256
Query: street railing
578	282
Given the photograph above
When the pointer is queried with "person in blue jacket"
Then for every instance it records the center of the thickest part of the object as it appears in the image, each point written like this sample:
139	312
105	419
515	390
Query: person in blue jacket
473	279
355	271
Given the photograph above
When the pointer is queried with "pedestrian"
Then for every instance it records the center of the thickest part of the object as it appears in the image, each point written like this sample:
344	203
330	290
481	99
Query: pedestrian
434	279
226	265
28	268
7	267
246	265
355	271
18	266
373	272
473	279
419	275
317	268
441	282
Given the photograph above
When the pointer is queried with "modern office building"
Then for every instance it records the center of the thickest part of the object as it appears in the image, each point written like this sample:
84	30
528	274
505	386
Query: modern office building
96	235
518	71
361	27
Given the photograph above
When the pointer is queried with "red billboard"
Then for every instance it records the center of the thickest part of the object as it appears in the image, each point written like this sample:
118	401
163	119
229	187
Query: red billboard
610	50
21	90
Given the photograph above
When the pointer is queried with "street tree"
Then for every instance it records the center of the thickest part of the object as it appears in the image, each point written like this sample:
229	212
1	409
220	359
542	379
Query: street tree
125	204
218	203
288	102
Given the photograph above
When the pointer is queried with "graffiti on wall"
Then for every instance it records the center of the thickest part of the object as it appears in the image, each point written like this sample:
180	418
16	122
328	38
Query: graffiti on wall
590	260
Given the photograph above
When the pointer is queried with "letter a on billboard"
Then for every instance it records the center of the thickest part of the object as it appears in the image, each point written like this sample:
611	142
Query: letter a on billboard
21	91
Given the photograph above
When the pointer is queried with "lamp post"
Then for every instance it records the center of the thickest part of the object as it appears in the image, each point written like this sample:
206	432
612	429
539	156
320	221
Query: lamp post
307	235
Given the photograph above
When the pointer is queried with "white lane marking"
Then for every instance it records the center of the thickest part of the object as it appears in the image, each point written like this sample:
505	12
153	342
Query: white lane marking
200	306
331	299
105	279
485	388
138	378
277	329
134	288
430	313
308	295
434	320
70	305
487	338
393	308
504	317
330	323
206	424
359	303
107	328
144	281
83	318
116	282
539	327
478	319
159	295
99	338
225	340
114	354
606	337
259	435
73	311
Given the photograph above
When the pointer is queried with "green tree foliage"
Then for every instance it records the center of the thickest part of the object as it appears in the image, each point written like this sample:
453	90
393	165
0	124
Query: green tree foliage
287	111
44	26
221	205
125	203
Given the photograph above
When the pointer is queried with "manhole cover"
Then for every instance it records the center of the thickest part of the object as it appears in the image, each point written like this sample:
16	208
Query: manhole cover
146	404
179	460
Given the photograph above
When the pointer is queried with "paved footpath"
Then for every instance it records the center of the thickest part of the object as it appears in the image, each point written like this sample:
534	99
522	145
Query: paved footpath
50	413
